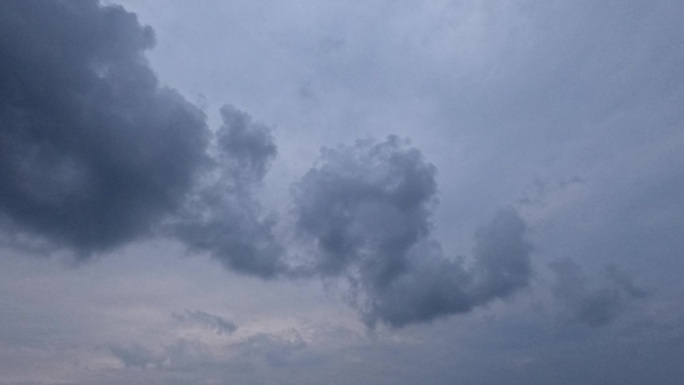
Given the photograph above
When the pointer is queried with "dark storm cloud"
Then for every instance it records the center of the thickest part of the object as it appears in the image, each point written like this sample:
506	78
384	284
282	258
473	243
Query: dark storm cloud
368	206
93	151
593	300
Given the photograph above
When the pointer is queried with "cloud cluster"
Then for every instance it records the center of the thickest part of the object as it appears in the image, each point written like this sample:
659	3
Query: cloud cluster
95	153
367	207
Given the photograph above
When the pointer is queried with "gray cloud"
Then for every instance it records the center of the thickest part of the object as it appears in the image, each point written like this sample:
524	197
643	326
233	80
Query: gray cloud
93	151
275	350
246	147
211	321
188	355
136	356
179	355
223	217
593	300
367	207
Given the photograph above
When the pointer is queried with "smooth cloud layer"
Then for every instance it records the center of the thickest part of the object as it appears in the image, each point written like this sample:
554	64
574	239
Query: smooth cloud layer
368	206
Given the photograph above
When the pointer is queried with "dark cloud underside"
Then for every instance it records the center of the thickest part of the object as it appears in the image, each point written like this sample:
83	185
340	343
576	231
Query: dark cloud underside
93	151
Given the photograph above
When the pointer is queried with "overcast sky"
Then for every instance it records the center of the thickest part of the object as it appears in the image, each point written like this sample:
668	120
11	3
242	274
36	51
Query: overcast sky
359	192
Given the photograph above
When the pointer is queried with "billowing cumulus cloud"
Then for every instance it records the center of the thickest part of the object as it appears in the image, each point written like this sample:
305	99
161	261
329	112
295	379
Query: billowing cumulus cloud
93	151
222	217
568	110
367	207
593	300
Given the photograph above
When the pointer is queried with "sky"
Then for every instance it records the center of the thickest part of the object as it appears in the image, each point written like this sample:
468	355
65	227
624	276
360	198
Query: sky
361	192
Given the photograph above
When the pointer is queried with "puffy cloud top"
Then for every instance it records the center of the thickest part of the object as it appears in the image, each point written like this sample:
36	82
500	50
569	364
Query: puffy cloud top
368	206
93	151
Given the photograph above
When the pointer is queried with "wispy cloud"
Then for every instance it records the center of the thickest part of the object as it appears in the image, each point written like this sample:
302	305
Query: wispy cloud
593	300
210	321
